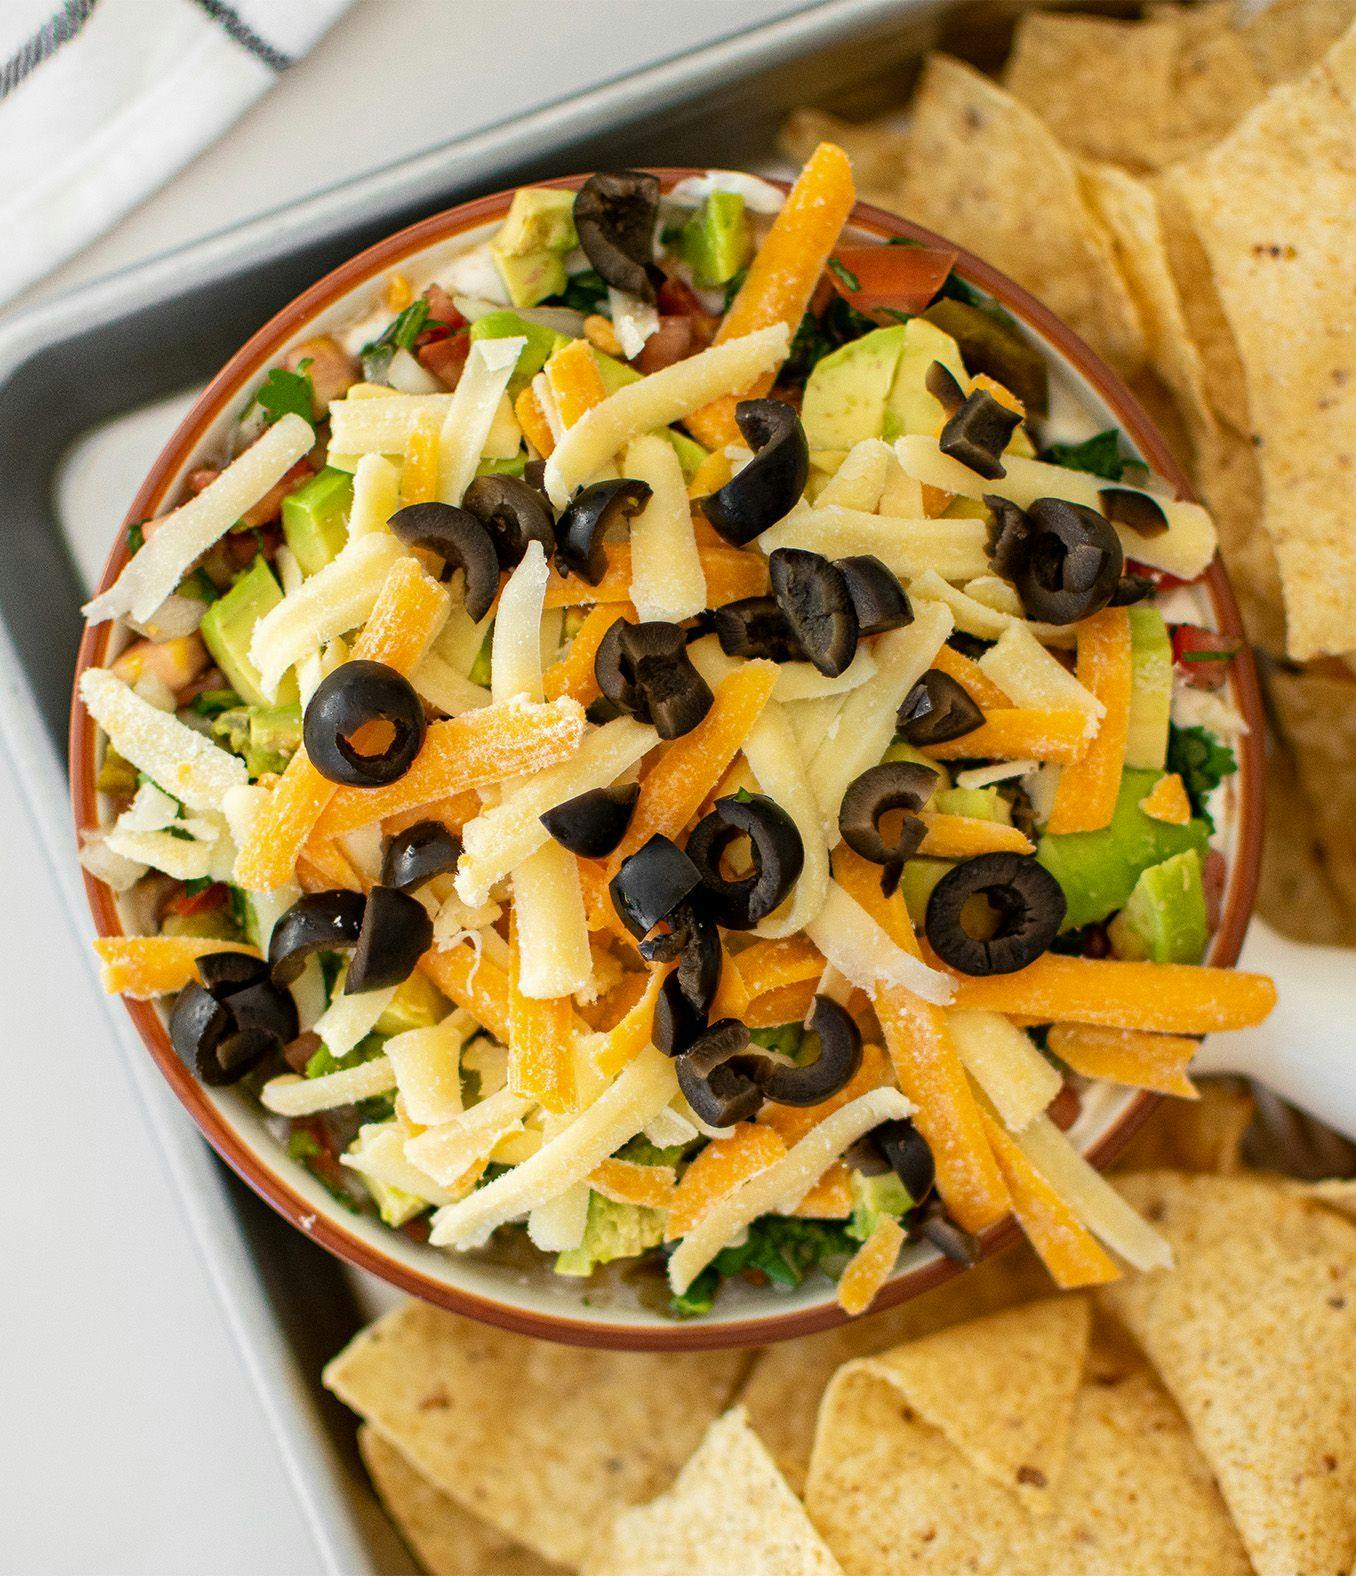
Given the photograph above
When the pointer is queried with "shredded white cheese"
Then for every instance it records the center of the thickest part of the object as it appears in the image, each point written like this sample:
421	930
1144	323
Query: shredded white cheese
376	496
181	538
1006	1065
777	763
1026	672
364	425
349	1019
860	949
633	319
449	1150
427	1067
293	1096
471	415
554	958
978	618
956	549
378	1154
659	400
641	1091
183	762
860	480
186	859
558	1225
515	650
439	683
667	581
782	1185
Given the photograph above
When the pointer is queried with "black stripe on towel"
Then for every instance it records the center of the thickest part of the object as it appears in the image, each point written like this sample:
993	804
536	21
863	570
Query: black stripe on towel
59	30
228	18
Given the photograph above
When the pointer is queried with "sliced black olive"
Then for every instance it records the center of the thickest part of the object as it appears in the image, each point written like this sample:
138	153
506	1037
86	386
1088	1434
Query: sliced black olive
534	474
770	485
592	824
878	599
1009	536
651	883
1028	908
225	972
198	1024
755	626
936	710
645	669
396	932
840	1055
720	1082
1131	589
686	995
814	596
776	851
356	693
977	433
419	853
514	513
219	1046
461	541
991	346
1136	511
614	217
264	1008
318	922
893	785
1072	564
908	1155
950	1240
941	383
677	1023
580	531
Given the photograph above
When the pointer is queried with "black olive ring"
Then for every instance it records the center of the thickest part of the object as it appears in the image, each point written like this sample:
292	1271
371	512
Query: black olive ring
778	856
356	693
1029	905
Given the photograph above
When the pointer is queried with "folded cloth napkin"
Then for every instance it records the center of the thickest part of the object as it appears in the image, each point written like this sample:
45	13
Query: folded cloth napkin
103	100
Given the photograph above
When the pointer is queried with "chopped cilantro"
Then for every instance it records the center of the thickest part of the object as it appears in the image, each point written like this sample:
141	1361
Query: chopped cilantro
241	913
786	1250
844	276
211	703
1100	455
301	1145
399	334
136	536
959	290
699	1298
734	286
283	392
641	1152
584	292
197	884
786	1038
1202	762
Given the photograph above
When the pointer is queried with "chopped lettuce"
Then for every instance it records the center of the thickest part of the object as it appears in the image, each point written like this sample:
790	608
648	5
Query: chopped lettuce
613	1231
873	1198
1100	455
1202	762
285	393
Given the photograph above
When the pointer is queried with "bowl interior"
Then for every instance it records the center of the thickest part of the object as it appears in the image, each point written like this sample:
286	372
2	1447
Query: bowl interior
523	1293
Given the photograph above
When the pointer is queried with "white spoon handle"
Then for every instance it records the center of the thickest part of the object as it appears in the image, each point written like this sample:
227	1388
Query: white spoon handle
1306	1050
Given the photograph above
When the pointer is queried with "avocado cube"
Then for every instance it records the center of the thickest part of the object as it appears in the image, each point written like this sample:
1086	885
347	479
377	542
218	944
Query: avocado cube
980	804
1146	739
417	1004
1164	918
846	393
540	219
274	737
690	454
228	627
909	407
902	751
542	343
716	242
615	374
917	882
873	1197
315	518
530	277
1098	870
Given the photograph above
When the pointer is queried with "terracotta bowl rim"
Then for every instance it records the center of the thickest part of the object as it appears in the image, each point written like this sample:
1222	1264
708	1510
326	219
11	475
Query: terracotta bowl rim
329	1230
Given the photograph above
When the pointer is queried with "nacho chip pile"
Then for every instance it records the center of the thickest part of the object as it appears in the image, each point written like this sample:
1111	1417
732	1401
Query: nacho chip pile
1181	190
1200	1420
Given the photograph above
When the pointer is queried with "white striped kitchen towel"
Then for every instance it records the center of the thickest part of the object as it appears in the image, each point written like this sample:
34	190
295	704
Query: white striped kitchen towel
102	100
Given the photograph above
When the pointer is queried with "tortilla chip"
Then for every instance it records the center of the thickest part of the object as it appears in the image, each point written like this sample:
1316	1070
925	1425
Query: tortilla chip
783	1392
1229	479
875	150
980	168
1215	81
546	1443
1272	205
1194	1135
1254	1333
1128	208
446	1540
729	1514
1288	36
1337	1193
1316	716
1135	1497
1001	1390
1296	894
1104	87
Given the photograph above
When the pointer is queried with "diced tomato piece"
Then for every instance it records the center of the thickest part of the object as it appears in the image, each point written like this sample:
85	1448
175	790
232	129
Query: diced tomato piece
902	278
671	341
677	298
442	311
1203	655
204	902
445	358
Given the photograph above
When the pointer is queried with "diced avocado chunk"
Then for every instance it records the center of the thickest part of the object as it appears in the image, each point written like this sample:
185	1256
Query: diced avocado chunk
917	882
274	737
417	1004
786	1038
900	751
514	467
214	924
533	277
1164	917
909	407
716	242
228	627
542	342
873	1197
540	219
1146	739
690	453
980	804
1098	870
480	668
846	393
613	1231
615	374
315	518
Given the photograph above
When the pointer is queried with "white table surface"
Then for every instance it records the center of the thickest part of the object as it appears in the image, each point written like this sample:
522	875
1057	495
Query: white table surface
131	1440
